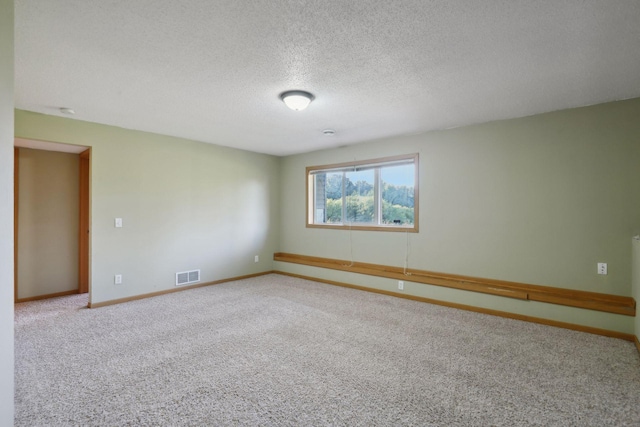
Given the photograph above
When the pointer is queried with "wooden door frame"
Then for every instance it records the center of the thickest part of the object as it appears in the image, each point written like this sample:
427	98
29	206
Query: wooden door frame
84	257
84	226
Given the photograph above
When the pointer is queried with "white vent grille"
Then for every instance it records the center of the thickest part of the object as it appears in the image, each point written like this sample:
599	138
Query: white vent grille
187	277
194	276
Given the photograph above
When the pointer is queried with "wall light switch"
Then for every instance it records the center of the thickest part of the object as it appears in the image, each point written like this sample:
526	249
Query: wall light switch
118	222
256	259
117	279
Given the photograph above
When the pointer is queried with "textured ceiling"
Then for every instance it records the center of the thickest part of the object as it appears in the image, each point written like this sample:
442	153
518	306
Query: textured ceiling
212	70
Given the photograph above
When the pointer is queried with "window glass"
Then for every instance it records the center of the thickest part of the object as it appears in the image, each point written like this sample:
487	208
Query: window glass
328	198
359	192
374	195
397	194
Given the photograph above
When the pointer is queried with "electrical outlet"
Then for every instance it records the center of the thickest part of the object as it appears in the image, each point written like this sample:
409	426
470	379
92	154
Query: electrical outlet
117	279
602	268
256	259
400	285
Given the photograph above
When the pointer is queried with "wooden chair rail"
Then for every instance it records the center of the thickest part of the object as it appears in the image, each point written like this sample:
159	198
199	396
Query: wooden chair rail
568	297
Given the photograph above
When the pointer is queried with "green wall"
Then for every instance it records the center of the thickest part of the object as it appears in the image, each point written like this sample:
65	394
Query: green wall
185	205
6	211
538	200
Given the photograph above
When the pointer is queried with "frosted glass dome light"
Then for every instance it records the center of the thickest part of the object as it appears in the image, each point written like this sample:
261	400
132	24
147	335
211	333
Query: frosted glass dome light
297	100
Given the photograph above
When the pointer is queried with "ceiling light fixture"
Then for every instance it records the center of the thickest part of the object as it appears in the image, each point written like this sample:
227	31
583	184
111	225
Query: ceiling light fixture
65	110
297	100
329	132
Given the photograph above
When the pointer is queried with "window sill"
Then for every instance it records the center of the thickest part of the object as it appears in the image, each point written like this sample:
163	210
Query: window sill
396	228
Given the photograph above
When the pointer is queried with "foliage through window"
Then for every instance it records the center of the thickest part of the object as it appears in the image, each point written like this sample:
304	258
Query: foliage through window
377	194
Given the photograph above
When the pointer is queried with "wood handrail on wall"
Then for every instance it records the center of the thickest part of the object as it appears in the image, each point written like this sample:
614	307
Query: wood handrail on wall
572	298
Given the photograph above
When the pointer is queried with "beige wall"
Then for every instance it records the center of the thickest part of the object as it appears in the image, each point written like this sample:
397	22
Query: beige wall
538	200
6	211
47	222
185	205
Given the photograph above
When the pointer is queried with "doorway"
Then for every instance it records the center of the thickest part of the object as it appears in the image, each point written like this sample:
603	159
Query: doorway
52	220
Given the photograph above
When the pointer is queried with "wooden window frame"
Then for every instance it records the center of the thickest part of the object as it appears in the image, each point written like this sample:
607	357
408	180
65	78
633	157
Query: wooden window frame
376	164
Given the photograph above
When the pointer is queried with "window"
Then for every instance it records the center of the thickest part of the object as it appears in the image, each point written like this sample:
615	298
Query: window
379	194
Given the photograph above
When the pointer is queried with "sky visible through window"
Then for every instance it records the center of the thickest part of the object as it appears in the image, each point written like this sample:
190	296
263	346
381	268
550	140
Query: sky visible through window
398	175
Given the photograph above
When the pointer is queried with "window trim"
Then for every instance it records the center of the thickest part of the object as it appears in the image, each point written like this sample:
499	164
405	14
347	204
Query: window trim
361	165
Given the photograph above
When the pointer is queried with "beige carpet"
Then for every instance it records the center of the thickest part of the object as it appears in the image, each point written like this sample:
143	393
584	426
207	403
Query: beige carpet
280	351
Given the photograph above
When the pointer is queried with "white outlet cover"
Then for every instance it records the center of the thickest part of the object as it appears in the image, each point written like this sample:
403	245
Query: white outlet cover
118	222
602	268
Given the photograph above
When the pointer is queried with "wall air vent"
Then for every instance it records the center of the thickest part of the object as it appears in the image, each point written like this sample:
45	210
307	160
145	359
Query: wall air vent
187	277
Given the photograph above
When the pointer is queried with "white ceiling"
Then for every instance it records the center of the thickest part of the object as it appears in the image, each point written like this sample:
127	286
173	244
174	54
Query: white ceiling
212	70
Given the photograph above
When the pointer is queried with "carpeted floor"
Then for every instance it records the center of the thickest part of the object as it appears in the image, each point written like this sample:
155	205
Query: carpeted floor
280	351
